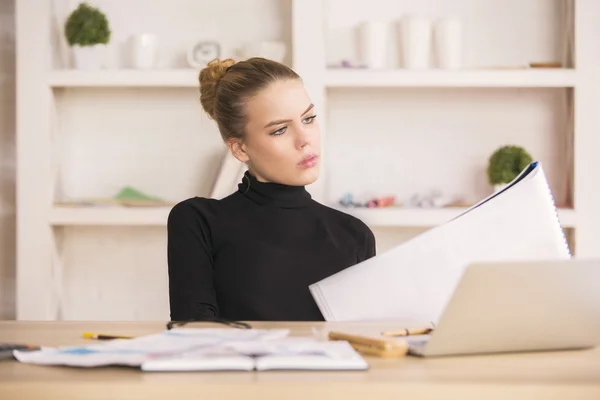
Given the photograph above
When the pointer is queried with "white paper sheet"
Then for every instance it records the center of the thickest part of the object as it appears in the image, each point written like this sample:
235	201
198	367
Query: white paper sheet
414	281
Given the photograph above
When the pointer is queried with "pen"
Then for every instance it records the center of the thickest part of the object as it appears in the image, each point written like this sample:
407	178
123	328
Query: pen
90	335
408	332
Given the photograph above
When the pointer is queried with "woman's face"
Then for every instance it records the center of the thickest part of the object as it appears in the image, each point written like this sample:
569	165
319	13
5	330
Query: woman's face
282	141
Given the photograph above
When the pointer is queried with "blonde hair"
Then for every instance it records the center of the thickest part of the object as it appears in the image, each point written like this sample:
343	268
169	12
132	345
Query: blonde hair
227	85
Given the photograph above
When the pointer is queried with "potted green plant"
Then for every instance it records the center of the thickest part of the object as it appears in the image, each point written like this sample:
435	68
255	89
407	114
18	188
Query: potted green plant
88	32
505	164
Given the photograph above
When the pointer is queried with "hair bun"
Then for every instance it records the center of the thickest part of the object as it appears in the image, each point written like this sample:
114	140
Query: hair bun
210	75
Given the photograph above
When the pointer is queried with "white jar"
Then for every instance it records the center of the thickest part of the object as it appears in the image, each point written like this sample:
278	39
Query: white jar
447	39
372	46
143	50
415	42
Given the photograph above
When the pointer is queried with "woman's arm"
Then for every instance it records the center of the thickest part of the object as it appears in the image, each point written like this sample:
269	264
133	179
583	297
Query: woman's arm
191	288
370	245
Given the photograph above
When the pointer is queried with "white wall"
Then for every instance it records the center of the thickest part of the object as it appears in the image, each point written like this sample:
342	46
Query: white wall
159	140
7	160
408	141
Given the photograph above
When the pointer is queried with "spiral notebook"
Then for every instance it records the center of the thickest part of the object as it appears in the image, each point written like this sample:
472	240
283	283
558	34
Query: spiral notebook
415	280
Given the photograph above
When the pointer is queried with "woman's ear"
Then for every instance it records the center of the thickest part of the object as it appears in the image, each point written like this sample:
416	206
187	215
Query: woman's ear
238	149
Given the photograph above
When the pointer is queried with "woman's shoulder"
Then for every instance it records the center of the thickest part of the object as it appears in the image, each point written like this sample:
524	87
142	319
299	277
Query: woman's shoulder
362	236
194	204
347	220
195	208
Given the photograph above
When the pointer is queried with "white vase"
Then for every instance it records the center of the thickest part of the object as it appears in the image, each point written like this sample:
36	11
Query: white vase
373	44
415	41
88	57
447	39
143	50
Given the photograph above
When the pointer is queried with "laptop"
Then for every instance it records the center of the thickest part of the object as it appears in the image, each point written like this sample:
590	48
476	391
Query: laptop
502	307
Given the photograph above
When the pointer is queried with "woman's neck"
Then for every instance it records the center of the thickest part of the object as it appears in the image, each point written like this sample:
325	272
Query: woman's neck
274	194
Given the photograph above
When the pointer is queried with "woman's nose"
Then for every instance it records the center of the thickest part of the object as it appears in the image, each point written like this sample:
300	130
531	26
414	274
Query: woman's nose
303	138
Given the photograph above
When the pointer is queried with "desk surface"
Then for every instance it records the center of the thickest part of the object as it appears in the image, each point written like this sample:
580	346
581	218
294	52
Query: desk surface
549	375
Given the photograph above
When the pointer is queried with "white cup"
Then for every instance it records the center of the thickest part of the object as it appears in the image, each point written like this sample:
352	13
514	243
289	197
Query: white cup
373	39
415	41
143	50
447	39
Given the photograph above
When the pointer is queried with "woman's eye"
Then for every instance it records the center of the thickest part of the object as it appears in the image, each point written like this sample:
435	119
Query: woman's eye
279	131
309	119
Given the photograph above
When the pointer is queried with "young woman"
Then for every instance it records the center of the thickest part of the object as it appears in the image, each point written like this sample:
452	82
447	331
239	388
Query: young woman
252	255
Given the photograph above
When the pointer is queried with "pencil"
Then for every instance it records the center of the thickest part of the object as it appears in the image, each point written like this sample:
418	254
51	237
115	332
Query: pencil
408	332
97	336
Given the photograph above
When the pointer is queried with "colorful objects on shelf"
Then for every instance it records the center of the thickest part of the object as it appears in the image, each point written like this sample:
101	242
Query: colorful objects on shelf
434	199
347	64
381	202
377	202
128	197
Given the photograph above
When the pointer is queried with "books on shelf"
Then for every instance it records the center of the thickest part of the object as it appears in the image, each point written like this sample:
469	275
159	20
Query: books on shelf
413	281
229	176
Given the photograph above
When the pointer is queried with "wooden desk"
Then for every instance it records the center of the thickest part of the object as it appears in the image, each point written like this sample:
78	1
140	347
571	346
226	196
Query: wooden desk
555	375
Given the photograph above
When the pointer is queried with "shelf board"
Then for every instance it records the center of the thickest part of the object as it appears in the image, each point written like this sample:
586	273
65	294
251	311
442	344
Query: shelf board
348	78
109	215
123	78
374	217
426	217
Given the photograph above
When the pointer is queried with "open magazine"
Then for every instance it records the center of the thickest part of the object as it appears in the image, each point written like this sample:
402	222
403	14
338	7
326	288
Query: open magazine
415	280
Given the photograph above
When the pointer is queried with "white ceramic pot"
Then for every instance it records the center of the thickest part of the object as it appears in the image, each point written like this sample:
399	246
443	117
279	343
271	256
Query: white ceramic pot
373	43
415	40
447	39
88	57
143	50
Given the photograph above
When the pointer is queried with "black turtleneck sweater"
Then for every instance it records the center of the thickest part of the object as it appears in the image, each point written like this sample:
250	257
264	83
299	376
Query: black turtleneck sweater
252	255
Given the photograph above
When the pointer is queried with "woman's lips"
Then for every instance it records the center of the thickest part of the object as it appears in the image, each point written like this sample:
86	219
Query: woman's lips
308	162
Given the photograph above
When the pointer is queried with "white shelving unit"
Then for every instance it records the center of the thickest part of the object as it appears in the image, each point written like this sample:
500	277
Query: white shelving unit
374	217
109	216
187	78
539	78
427	217
333	79
38	83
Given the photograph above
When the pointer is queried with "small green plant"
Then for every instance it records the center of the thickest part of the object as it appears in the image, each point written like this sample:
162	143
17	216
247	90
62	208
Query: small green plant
87	26
506	163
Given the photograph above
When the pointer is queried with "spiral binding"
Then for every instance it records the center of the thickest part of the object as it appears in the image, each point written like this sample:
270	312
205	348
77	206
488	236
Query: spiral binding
562	231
